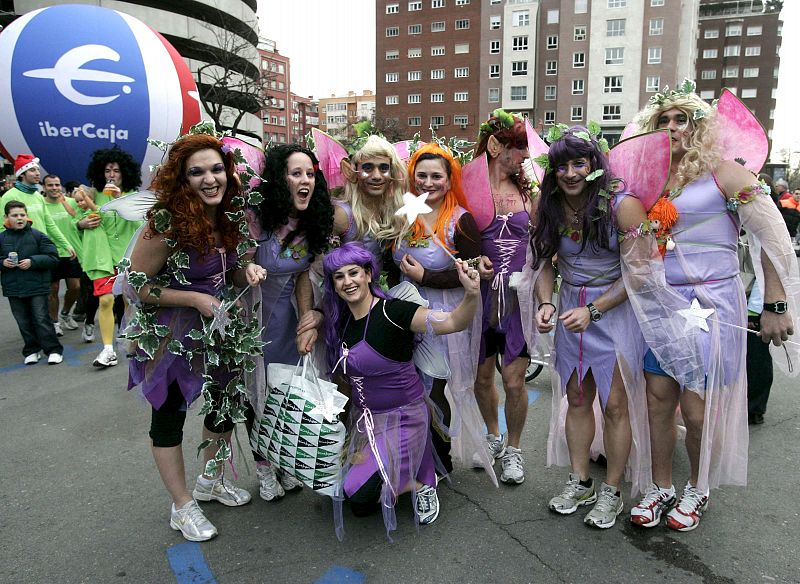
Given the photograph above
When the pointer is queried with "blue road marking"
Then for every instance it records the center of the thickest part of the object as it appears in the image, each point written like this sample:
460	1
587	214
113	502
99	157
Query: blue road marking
341	575
533	395
189	564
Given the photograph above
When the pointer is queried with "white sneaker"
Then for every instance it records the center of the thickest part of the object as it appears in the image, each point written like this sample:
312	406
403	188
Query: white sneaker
269	487
54	359
191	522
288	482
32	359
68	322
57	326
88	333
605	511
106	358
221	491
427	505
513	473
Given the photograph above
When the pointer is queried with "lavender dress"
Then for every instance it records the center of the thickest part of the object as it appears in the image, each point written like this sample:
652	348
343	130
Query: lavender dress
206	273
372	245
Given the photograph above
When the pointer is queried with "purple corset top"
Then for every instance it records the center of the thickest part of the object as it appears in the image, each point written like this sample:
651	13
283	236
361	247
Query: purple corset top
206	272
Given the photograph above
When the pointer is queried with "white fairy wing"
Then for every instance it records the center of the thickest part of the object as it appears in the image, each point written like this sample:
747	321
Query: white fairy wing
133	207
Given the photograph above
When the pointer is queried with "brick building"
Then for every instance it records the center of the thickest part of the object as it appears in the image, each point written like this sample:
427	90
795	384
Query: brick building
277	114
305	115
338	114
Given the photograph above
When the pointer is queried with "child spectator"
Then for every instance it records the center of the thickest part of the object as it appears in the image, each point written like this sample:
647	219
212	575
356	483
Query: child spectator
27	257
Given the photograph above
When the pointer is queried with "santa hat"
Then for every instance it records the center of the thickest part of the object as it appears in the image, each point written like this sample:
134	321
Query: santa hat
24	162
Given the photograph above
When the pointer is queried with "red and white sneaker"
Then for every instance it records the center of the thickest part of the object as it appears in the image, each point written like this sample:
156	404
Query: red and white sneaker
656	500
686	514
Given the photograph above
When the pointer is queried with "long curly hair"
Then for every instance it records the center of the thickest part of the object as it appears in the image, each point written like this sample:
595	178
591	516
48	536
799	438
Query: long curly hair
315	222
550	216
452	200
189	225
512	137
130	169
336	309
702	152
372	216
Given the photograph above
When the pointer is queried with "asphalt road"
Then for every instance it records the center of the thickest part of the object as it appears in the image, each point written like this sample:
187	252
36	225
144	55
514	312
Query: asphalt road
82	502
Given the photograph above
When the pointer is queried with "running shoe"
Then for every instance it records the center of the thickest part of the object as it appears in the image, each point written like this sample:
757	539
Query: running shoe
288	482
573	496
88	333
68	322
656	500
54	358
269	486
427	505
605	511
106	358
32	359
513	472
221	491
57	326
685	516
191	522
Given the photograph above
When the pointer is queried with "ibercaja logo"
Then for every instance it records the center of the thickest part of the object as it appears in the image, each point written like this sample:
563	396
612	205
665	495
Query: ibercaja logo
77	78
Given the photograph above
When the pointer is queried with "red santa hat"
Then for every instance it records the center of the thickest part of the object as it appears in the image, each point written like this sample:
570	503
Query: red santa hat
24	162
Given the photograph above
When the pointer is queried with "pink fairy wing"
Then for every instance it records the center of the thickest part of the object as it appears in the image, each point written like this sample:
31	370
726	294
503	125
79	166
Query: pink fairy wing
740	134
254	156
642	162
330	154
478	191
403	149
536	147
629	131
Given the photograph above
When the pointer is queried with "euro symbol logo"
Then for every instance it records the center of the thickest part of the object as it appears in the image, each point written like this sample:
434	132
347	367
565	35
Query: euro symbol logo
68	69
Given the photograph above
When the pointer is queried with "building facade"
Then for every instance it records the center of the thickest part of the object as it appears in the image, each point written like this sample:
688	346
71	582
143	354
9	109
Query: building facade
277	113
338	114
305	116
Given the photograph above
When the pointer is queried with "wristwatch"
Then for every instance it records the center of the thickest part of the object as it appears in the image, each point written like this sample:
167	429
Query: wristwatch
594	314
778	307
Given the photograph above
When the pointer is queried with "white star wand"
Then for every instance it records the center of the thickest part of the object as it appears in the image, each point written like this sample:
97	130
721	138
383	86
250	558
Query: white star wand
221	319
413	206
696	316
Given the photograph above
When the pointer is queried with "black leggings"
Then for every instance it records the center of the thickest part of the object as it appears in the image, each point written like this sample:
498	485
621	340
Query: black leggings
166	423
366	500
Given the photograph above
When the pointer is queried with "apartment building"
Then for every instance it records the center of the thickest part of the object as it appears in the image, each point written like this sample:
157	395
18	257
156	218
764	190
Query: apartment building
738	49
305	115
276	116
338	114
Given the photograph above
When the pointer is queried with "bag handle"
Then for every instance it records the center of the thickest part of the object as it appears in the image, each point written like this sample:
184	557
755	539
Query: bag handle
306	365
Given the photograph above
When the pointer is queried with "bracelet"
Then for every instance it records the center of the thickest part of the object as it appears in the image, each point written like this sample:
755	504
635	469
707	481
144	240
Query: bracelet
546	304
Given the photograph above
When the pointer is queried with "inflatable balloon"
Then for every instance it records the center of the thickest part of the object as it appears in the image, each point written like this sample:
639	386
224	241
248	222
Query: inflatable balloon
76	78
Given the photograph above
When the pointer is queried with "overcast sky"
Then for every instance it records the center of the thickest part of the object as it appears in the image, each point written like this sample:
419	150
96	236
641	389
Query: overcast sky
331	44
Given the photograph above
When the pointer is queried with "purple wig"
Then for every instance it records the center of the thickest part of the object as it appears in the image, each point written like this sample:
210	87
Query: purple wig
550	217
336	310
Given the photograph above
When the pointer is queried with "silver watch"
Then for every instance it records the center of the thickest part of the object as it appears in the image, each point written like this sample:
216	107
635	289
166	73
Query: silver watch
594	314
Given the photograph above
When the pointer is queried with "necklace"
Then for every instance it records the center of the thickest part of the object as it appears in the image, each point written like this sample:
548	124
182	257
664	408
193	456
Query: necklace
576	213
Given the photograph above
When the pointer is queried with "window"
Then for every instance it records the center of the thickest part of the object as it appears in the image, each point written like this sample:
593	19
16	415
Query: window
549	92
521	18
552	17
612	84
519	68
552	41
754	30
414	53
654	55
437	51
437	73
461	120
733	29
749	93
519	92
392	77
437	97
614	55
750	72
550	117
581	6
551	68
708	94
415	121
462	72
461	48
653	83
461	96
462	2
576	113
392	55
656	2
414	6
494	22
577	86
615	27
656	26
580	33
392	31
462	24
494	71
494	95
437	26
752	51
392	99
414	98
414	29
414	75
578	60
437	3
731	51
519	43
437	121
494	47
708	74
612	112
711	33
392	8
709	53
730	72
617	3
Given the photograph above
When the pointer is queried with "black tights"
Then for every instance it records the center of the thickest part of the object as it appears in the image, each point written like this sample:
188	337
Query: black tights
166	423
441	445
366	500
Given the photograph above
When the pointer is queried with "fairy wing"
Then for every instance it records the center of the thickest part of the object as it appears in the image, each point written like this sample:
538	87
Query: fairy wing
630	130
254	156
403	149
643	163
536	147
330	155
741	136
478	191
133	207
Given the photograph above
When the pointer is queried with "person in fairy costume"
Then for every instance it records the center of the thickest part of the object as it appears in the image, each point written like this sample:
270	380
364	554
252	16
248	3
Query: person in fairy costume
681	272
598	345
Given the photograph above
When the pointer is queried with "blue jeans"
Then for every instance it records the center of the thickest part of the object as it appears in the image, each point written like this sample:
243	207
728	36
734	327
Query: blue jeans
35	325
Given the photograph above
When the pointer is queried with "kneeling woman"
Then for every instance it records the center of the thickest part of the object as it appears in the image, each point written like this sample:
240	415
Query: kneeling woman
390	449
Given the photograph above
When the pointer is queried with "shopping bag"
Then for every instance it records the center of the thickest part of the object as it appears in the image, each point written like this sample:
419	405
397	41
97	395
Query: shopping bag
299	430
